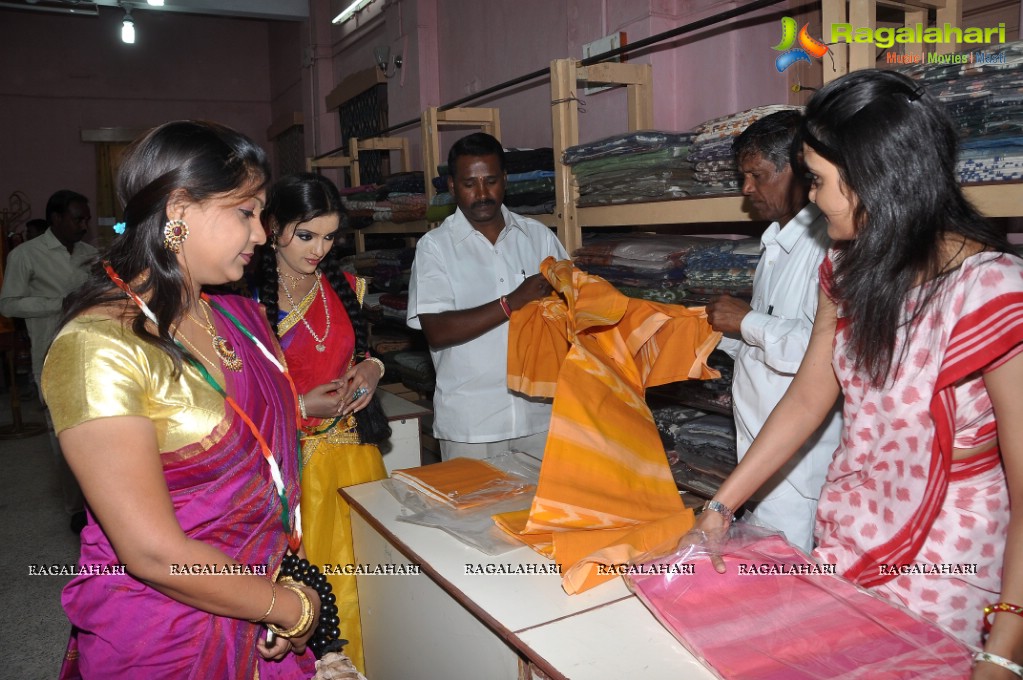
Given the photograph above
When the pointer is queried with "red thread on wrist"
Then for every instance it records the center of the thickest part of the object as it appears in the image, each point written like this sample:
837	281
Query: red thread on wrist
505	306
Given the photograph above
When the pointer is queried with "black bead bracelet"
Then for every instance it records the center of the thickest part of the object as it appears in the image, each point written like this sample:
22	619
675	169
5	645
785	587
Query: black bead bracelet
327	637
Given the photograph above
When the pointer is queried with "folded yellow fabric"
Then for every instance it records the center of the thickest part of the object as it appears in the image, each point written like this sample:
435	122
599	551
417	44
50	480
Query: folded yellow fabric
595	351
462	482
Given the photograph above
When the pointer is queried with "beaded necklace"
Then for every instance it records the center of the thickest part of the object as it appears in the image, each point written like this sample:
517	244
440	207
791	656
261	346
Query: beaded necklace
320	346
293	530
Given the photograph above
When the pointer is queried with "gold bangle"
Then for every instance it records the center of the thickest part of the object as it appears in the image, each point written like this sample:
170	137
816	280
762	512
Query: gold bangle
379	363
273	601
305	621
301	405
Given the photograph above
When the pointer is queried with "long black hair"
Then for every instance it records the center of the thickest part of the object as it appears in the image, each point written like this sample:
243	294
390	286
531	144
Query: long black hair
290	202
895	149
202	159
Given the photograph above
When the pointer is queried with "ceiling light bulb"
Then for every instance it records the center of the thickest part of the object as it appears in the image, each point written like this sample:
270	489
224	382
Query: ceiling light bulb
128	30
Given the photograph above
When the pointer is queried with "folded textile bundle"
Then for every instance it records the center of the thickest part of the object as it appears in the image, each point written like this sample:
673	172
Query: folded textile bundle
820	625
729	126
709	395
984	99
713	160
623	144
685	265
462	483
416	371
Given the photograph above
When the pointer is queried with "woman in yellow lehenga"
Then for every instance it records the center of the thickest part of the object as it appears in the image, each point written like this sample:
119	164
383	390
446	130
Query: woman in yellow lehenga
316	310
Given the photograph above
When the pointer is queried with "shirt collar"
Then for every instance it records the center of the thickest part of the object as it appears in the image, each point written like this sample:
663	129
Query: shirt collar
50	240
794	230
462	229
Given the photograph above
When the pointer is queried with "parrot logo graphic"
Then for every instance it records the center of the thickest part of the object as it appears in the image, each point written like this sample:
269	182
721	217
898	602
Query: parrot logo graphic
808	47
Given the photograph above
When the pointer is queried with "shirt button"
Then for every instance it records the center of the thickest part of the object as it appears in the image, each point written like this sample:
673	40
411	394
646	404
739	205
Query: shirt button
501	280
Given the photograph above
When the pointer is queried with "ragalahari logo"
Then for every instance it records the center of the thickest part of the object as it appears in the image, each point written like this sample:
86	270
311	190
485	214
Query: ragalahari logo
808	47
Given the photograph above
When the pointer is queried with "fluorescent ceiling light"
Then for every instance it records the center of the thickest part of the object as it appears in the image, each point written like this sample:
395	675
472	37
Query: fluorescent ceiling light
349	11
155	3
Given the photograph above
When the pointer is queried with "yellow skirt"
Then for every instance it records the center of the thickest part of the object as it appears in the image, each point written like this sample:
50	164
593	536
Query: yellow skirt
326	522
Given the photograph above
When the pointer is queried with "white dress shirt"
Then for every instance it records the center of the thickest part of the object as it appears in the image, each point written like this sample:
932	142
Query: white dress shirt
40	273
775	336
456	267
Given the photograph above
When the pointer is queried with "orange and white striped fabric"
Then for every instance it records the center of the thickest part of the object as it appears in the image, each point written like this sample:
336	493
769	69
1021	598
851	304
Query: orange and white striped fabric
595	351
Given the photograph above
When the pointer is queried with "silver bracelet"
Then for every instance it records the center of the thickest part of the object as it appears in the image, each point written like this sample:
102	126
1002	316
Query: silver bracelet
301	405
379	363
999	661
721	509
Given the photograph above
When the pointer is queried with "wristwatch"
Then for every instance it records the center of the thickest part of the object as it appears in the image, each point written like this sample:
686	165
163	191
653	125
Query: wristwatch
721	509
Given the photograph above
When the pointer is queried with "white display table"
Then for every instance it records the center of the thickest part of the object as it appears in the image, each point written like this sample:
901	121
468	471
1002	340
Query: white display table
404	448
447	624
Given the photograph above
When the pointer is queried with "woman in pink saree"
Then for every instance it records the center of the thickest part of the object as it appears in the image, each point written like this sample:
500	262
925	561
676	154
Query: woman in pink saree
177	416
920	330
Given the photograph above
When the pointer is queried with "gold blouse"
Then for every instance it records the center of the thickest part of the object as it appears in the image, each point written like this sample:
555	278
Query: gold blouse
99	368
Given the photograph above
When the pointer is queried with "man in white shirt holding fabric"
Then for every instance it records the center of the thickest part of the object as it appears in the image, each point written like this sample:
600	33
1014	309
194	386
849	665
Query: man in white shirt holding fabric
769	337
469	275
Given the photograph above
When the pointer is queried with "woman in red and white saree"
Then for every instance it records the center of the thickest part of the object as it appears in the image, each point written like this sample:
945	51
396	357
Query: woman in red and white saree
920	331
899	511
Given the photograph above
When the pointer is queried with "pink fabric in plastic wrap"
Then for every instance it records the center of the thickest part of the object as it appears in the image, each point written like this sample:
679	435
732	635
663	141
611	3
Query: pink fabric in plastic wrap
757	626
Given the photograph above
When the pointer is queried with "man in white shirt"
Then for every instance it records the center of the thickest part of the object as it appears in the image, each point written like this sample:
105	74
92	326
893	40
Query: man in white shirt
768	338
39	274
469	275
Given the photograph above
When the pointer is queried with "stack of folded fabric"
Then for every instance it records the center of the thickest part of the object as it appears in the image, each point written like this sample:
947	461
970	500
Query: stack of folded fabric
463	483
387	269
708	395
985	101
669	268
416	371
727	268
530	188
706	453
635	167
714	167
401	197
394	306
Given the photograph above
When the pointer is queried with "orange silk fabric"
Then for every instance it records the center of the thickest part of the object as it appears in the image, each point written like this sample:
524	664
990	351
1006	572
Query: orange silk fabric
595	351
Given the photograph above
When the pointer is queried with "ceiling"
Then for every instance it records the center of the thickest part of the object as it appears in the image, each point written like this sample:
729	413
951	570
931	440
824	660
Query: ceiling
282	10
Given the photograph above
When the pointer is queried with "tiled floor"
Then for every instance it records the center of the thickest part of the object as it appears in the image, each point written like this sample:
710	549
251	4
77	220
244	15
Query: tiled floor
33	531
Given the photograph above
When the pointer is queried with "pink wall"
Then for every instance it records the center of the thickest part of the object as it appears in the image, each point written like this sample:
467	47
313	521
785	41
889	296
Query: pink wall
481	44
74	73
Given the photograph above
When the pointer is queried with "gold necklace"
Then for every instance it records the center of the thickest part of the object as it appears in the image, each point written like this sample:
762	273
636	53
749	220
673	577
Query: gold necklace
320	346
222	346
181	336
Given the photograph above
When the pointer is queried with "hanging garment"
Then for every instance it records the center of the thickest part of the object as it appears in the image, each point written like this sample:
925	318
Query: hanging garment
595	352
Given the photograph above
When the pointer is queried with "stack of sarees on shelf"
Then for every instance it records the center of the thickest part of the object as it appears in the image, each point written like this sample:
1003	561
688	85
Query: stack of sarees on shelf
402	349
714	167
530	188
635	167
984	98
694	422
670	268
400	197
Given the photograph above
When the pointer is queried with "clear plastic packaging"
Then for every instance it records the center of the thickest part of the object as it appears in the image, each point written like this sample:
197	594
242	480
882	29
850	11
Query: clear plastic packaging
474	525
777	614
